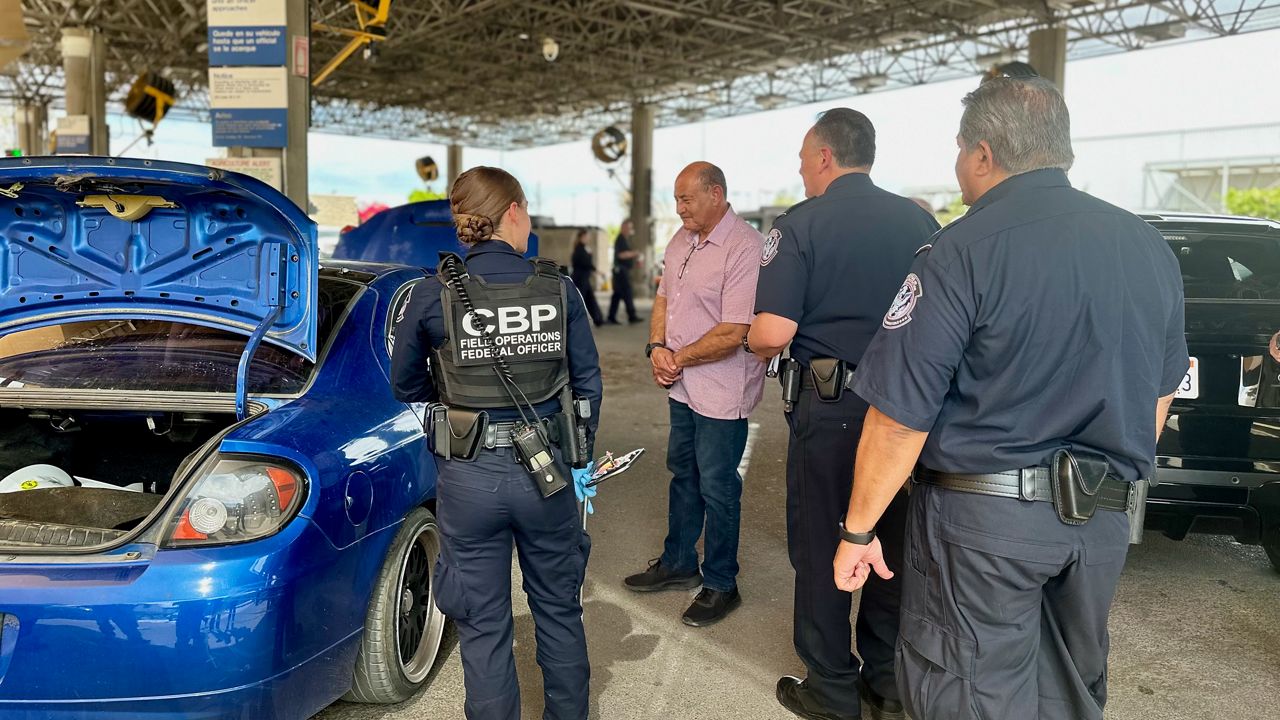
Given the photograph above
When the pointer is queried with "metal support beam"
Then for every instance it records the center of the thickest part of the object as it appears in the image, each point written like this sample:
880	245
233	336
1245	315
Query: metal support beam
293	156
1047	53
31	120
642	121
453	164
83	65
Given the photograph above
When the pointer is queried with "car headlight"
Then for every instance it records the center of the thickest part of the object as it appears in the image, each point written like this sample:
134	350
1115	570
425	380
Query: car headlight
236	500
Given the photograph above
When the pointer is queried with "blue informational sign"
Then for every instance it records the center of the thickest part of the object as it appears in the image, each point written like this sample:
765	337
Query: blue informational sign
248	81
256	127
248	45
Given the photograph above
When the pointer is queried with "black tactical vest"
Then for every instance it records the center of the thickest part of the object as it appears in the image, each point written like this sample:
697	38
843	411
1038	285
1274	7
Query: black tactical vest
529	330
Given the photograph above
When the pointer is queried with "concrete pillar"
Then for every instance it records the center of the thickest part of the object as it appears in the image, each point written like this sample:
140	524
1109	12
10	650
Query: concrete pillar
453	165
293	157
642	193
1047	53
86	94
31	120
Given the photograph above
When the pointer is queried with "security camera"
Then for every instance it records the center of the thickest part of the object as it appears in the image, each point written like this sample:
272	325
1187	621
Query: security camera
550	49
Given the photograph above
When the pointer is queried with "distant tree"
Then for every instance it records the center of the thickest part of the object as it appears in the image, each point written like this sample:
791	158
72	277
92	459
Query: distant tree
421	195
951	212
785	198
1254	202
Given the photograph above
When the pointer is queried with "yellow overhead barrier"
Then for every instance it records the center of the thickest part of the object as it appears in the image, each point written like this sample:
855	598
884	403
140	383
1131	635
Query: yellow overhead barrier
372	28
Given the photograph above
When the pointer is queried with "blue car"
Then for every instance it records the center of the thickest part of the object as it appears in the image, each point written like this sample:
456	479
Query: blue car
243	524
411	234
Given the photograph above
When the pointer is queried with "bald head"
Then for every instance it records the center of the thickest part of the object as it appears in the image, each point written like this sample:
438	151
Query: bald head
700	196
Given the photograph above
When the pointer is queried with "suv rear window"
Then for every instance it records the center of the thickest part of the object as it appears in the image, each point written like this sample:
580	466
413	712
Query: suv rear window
1227	266
159	355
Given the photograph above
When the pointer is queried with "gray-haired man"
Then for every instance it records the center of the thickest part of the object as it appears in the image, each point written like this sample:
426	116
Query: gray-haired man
1027	364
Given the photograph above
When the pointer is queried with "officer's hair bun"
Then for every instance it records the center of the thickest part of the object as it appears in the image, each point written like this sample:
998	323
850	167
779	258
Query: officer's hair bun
473	228
480	199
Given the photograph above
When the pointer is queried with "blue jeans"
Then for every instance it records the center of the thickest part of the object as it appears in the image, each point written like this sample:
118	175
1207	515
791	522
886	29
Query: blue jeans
703	455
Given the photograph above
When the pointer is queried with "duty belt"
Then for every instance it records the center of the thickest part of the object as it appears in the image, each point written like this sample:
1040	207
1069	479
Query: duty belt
1026	484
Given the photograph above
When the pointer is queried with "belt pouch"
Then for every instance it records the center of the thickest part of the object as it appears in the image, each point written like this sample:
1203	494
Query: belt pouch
828	378
1076	478
465	429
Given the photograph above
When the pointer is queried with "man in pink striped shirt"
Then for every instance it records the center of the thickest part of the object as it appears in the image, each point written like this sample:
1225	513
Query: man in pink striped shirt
700	316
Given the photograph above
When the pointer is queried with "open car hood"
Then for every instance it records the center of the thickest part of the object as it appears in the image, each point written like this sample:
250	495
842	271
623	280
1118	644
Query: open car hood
88	238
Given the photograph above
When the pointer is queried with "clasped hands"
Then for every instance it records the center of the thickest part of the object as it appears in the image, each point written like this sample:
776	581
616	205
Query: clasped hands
666	369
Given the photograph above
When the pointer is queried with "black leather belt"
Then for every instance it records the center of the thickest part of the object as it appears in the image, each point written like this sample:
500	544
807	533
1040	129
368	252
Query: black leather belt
1025	484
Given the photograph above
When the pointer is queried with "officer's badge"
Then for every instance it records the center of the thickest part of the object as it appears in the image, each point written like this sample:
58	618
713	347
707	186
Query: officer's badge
903	303
771	243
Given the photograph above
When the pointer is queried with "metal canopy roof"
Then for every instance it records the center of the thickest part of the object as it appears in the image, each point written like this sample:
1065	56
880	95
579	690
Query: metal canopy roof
472	71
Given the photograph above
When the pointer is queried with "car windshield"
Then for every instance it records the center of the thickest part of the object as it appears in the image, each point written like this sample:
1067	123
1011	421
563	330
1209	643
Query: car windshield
1227	266
159	355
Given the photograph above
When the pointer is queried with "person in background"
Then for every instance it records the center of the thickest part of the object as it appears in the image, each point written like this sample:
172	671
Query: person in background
584	271
624	258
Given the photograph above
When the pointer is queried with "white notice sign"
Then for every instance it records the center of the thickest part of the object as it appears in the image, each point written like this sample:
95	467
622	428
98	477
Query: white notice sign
266	169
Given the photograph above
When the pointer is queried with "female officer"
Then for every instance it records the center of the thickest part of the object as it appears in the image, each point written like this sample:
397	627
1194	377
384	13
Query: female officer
536	318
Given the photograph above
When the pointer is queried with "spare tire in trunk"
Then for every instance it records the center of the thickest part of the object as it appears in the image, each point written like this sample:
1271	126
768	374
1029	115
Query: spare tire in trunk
83	506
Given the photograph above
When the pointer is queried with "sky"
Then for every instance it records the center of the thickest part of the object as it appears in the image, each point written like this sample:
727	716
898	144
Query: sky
1205	84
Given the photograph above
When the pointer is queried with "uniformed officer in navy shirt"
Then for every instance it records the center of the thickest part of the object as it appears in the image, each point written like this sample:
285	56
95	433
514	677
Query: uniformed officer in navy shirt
1027	364
830	268
488	502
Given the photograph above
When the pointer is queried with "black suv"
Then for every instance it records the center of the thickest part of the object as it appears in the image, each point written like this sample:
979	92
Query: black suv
1218	461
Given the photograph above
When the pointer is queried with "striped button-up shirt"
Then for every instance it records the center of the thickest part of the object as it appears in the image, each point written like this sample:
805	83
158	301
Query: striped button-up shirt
707	281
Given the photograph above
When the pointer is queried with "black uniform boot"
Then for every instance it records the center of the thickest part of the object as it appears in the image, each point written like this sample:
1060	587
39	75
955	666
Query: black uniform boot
795	696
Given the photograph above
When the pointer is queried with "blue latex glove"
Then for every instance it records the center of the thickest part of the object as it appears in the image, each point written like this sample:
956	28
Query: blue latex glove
580	479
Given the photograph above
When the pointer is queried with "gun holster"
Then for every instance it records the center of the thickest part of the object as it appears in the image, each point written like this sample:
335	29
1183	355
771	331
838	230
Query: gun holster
828	378
789	378
456	434
1076	478
570	429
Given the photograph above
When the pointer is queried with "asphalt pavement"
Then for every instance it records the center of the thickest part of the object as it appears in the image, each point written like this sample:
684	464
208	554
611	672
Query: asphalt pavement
1195	628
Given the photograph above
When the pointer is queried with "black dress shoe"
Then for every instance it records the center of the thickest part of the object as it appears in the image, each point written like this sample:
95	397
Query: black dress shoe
658	577
711	606
794	695
878	707
611	321
635	320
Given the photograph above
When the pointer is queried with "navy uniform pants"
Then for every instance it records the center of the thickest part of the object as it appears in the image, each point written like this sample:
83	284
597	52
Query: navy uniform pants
484	507
820	459
1004	608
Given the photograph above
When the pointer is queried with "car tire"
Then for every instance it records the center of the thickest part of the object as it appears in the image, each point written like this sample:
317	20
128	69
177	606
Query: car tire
1271	543
402	619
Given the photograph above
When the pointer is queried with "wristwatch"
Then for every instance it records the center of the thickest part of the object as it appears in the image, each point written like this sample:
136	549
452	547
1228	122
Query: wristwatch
648	349
856	538
746	346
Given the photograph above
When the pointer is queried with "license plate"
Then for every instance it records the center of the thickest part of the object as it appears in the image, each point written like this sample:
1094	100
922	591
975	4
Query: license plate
1190	387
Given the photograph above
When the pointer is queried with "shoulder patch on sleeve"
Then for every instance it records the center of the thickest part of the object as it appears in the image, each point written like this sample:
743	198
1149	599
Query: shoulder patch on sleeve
771	243
903	303
404	304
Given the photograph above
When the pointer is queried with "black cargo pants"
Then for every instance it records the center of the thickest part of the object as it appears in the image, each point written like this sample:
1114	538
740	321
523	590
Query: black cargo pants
820	460
1004	608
